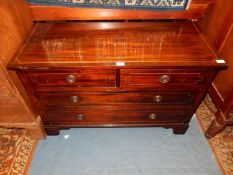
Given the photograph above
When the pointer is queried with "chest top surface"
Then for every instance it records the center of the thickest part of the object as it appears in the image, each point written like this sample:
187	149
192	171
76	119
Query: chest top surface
114	44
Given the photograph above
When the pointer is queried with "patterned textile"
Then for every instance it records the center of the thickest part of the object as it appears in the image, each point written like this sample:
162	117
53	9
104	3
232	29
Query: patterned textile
222	143
163	5
16	147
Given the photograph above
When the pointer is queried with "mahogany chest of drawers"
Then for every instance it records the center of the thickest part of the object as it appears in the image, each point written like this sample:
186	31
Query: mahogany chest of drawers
116	74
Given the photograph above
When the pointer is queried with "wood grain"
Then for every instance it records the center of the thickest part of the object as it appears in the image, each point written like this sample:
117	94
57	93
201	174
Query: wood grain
216	25
196	10
105	115
218	29
63	45
15	24
224	76
106	74
89	98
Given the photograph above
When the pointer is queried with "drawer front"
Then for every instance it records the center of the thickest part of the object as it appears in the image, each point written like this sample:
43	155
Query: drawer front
117	98
111	115
142	78
78	78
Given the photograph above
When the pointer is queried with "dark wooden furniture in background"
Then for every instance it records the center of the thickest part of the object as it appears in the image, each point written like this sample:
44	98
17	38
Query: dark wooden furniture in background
116	74
217	27
16	22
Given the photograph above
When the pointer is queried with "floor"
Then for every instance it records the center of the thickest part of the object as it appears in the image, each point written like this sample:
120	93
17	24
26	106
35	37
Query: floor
125	151
222	144
16	151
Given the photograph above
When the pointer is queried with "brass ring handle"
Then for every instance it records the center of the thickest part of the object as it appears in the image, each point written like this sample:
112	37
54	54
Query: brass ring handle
80	117
164	79
71	79
74	99
157	98
152	116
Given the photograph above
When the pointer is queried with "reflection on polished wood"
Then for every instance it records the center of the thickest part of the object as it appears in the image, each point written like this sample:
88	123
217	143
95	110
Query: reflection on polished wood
106	43
115	74
196	10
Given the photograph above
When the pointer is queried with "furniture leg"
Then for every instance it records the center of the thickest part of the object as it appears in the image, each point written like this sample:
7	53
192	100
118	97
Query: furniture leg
180	130
216	126
52	130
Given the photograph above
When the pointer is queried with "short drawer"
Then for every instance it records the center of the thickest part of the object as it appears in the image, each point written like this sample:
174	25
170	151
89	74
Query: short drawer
112	114
143	78
69	98
78	78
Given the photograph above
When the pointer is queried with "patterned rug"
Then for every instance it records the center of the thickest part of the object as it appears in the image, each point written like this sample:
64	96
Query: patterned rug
163	5
16	150
222	144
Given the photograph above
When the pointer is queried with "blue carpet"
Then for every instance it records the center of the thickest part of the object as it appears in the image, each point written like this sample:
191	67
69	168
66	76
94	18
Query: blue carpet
124	151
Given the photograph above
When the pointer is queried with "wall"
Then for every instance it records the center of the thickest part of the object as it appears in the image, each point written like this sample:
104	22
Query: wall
217	26
15	22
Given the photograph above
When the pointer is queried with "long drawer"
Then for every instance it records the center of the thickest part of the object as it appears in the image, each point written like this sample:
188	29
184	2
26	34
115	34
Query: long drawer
163	79
75	98
113	114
